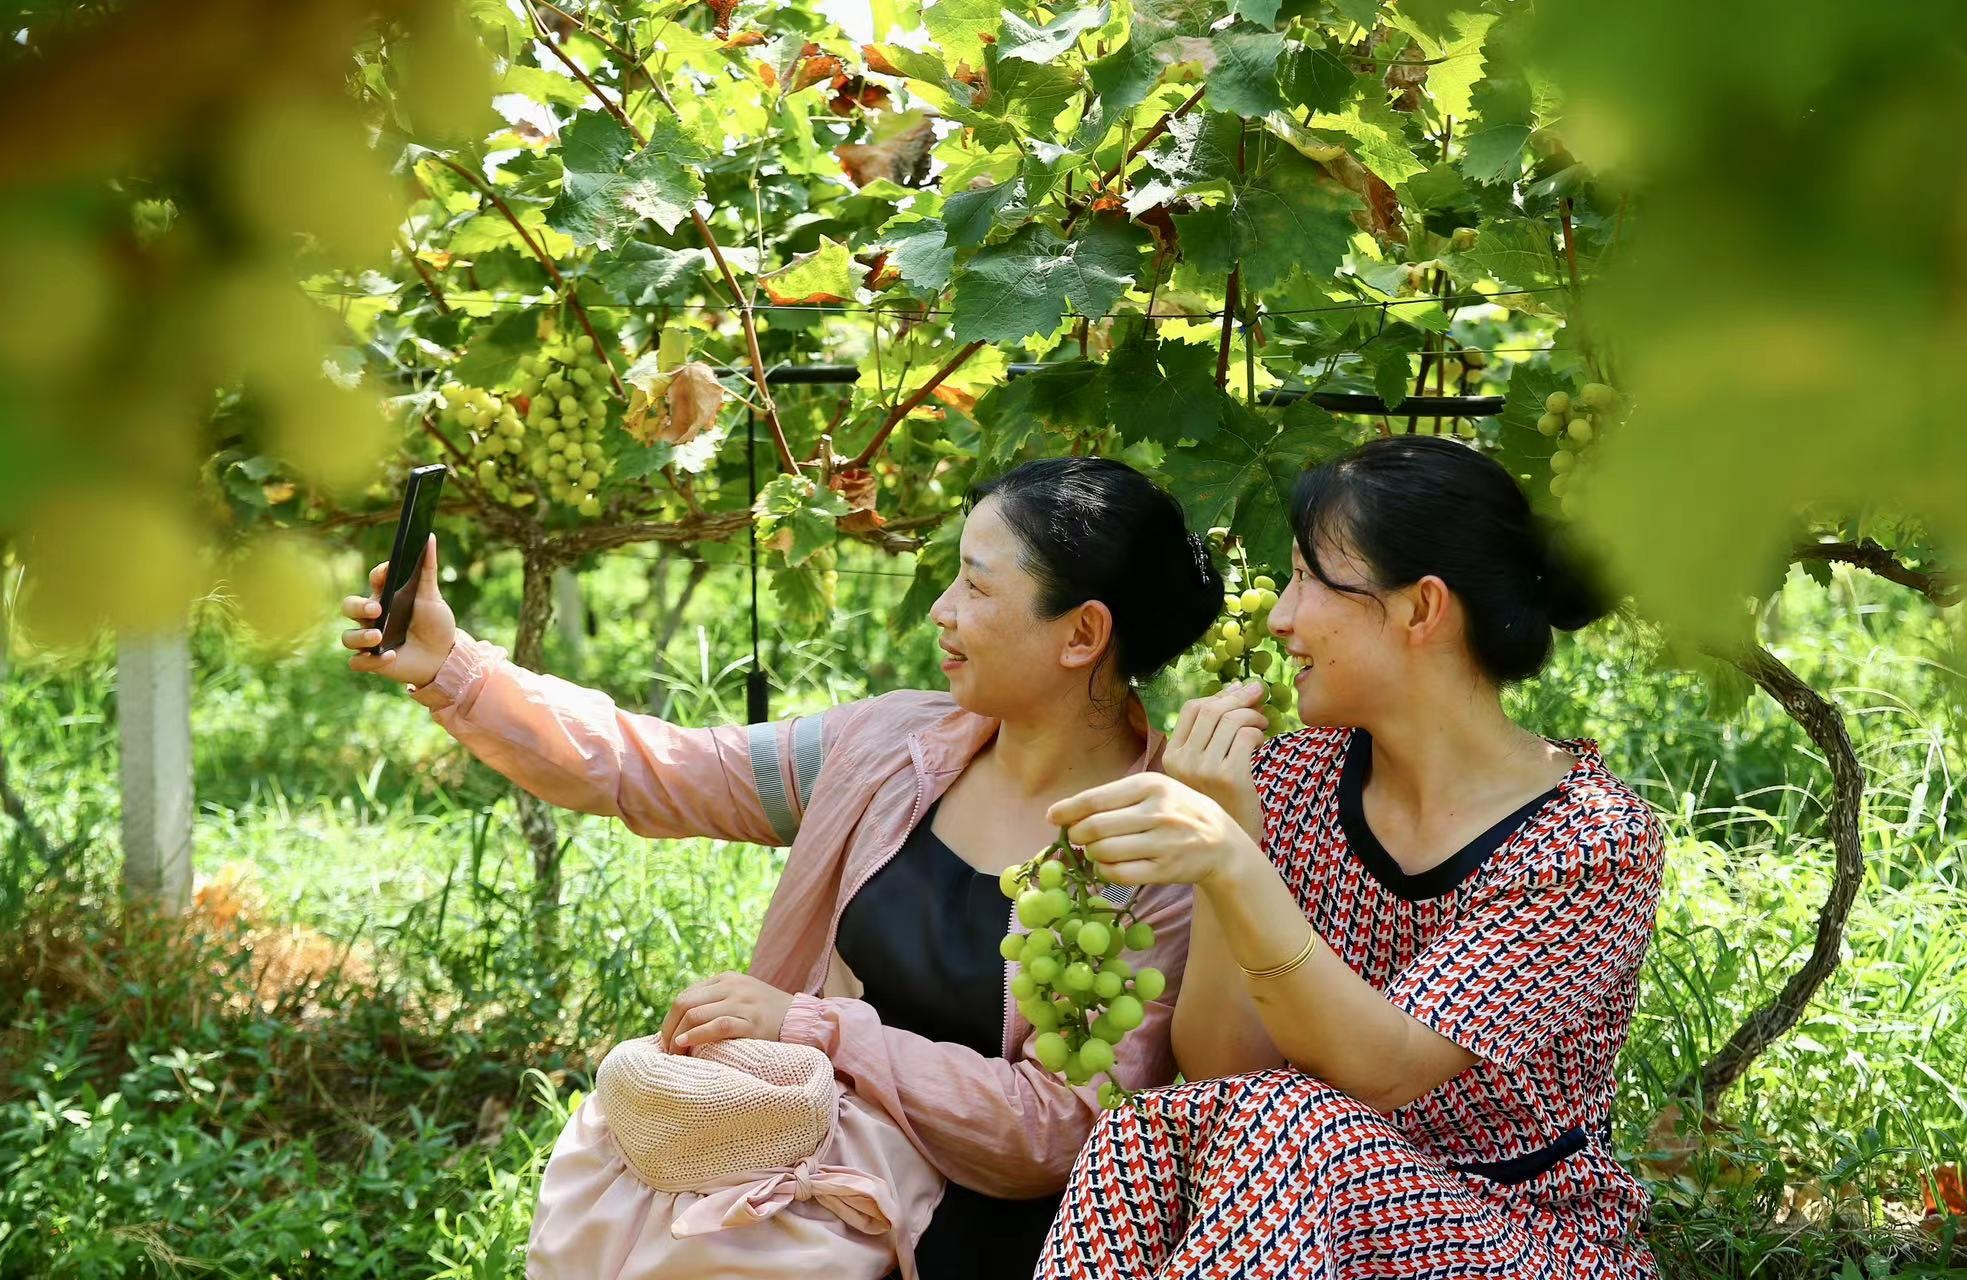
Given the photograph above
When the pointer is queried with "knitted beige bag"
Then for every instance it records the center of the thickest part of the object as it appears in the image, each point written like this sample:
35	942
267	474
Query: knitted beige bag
743	1160
684	1122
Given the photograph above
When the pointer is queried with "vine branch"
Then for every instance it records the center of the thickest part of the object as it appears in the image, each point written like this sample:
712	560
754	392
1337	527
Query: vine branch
429	281
545	260
738	296
1140	144
1824	723
1942	588
907	406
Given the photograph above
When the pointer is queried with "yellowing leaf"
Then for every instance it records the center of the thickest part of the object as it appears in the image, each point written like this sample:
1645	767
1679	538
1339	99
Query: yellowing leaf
828	274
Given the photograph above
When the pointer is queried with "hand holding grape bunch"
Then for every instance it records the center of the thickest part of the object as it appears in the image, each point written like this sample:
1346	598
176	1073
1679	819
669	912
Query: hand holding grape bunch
1072	984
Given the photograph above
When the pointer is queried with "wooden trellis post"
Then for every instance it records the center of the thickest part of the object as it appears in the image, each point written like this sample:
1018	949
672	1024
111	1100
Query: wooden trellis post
153	714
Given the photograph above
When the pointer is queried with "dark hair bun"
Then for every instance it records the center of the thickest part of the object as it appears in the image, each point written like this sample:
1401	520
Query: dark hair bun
1573	598
1096	529
1413	506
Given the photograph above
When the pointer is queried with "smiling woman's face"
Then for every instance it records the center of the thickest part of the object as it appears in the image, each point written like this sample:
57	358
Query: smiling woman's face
1343	643
1001	658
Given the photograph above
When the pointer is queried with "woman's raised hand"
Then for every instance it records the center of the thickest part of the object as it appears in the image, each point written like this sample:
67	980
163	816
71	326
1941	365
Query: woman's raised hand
433	628
1211	747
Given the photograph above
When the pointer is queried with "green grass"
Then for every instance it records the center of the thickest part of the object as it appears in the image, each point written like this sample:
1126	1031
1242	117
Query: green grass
159	1115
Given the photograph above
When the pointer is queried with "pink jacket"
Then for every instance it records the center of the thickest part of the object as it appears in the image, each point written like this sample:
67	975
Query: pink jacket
843	788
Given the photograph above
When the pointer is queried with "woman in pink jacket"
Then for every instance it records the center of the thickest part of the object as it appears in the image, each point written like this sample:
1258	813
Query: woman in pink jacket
1079	579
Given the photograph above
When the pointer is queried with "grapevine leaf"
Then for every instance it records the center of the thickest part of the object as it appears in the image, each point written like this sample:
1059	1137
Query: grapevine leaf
1493	149
1124	78
1377	130
1029	93
960	25
1520	448
1055	398
1261	12
921	253
1451	34
1440	186
1198	148
1243	477
639	274
608	187
1391	358
1321	80
496	347
1244	78
1023	286
1514	252
808	511
1291	220
801	592
828	274
1044	43
542	86
969	215
1158	20
1364	12
1164	391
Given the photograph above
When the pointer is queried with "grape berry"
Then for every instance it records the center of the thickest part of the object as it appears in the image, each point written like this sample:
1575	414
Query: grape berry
1071	983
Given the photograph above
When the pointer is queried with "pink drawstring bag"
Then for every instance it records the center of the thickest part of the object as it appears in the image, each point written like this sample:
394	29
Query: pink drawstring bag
746	1160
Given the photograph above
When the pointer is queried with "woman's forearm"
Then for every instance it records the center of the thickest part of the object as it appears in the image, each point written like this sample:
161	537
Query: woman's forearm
1322	1017
1218	1030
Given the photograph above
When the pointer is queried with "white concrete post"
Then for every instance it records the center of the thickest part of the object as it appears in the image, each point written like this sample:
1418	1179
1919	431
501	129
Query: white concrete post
153	712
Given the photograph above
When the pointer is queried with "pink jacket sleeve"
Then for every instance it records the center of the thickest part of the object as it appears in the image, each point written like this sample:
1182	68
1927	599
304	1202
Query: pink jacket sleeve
1005	1127
573	747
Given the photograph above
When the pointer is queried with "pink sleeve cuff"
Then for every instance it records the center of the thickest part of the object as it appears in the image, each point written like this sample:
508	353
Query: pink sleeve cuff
805	1023
467	660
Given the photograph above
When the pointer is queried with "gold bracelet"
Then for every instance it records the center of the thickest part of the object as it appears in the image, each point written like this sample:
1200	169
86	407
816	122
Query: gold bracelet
1258	975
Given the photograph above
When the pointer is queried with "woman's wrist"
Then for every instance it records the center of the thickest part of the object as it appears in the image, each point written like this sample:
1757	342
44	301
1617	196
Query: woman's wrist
1238	862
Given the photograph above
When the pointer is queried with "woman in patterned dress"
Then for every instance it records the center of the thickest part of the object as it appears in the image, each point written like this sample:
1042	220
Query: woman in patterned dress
1417	928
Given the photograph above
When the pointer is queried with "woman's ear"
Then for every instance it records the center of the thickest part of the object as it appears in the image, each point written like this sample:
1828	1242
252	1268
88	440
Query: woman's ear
1090	637
1429	602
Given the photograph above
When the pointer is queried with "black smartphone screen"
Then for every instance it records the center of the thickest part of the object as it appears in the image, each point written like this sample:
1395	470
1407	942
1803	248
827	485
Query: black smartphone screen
399	591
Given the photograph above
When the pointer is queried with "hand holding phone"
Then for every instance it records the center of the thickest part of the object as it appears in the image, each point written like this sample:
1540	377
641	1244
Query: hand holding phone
432	630
408	629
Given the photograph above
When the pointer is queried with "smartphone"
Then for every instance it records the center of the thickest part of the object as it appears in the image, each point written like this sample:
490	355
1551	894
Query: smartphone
399	588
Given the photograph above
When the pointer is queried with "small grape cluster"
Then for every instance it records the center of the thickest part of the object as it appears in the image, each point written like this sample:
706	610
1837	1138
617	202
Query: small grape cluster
1238	645
1072	984
1576	422
543	440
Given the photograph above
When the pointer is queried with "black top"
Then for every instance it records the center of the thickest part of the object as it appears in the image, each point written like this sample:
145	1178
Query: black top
922	936
1438	879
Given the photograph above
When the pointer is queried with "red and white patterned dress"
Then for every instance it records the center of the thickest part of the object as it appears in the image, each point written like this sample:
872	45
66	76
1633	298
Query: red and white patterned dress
1523	948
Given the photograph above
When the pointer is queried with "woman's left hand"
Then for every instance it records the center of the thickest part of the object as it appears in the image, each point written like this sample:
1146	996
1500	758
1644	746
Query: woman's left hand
730	1006
1147	828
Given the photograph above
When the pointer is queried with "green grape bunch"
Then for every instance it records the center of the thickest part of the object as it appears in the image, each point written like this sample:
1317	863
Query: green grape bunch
1238	646
542	441
1578	423
1072	984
